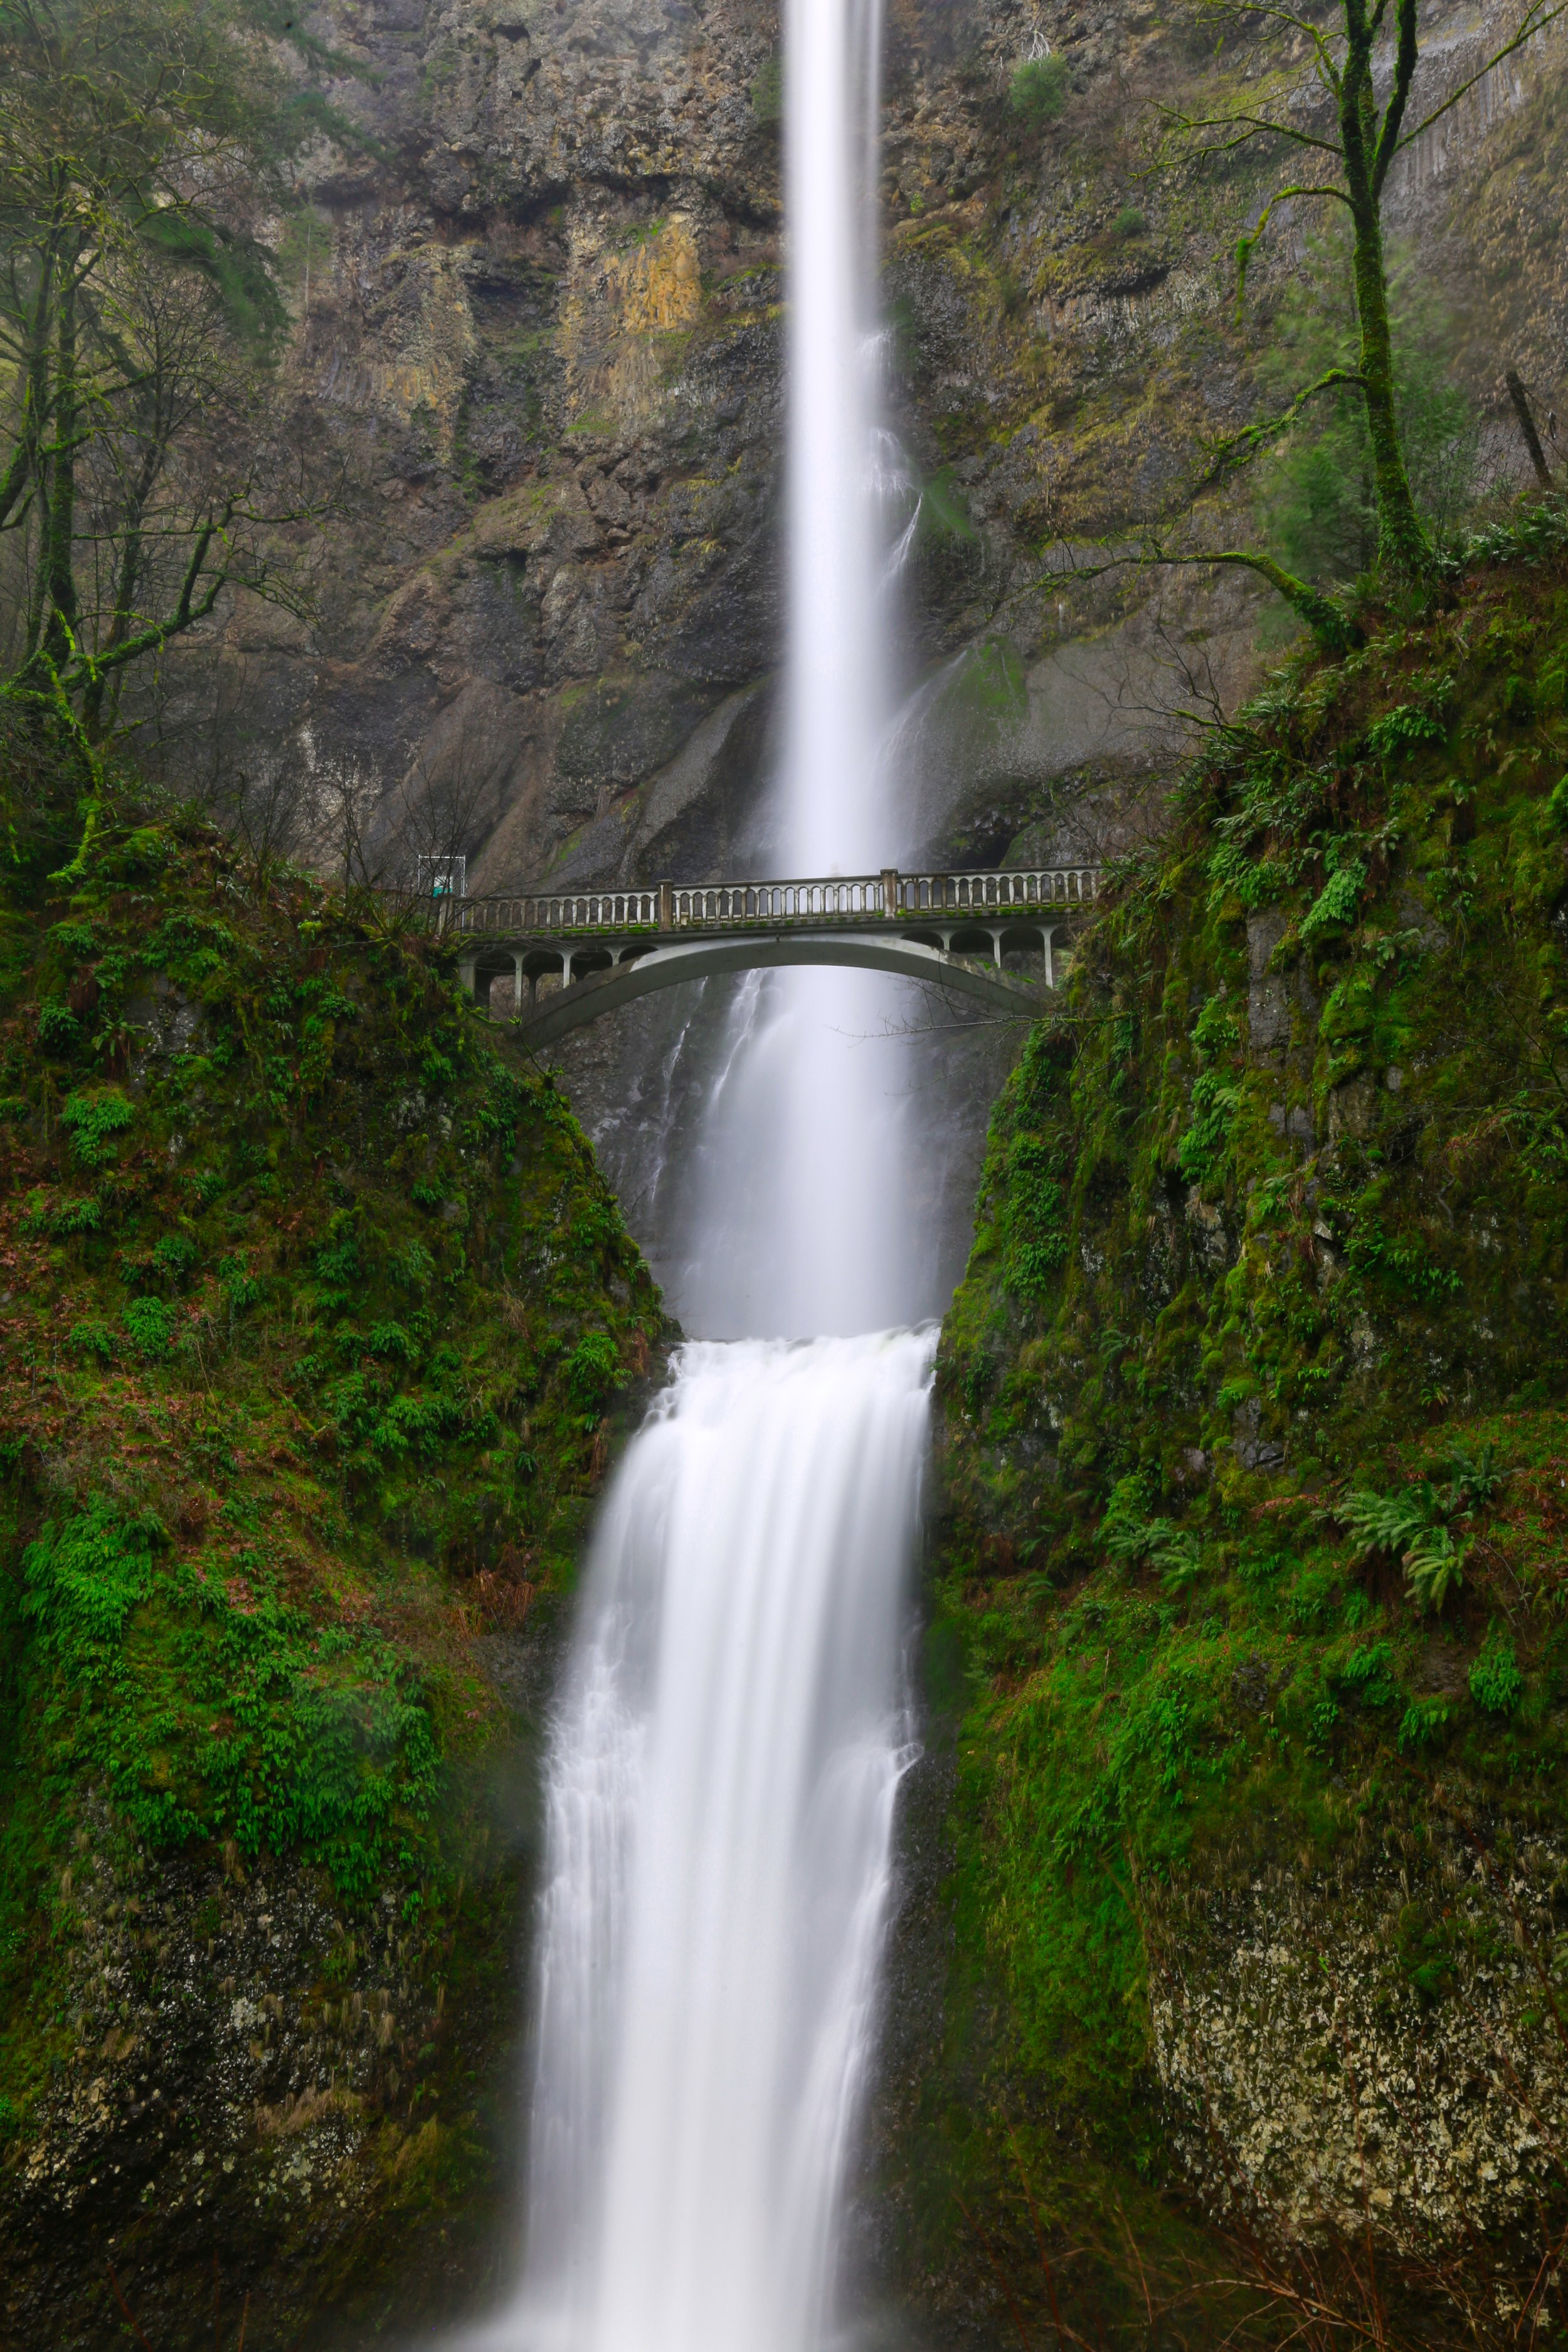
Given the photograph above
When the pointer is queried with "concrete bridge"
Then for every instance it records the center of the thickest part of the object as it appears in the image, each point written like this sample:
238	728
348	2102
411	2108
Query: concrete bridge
573	955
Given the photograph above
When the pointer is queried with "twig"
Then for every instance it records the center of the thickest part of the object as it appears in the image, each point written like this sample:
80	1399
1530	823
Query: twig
125	2307
1064	2334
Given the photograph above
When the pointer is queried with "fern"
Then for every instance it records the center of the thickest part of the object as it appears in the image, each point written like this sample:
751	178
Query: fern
1414	1526
1388	1522
1434	1565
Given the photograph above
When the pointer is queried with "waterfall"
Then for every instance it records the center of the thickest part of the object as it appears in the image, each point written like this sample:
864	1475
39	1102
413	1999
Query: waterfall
804	1207
727	1745
724	1762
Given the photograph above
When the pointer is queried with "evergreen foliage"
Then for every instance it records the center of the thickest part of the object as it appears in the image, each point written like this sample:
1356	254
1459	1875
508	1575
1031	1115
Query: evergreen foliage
1037	93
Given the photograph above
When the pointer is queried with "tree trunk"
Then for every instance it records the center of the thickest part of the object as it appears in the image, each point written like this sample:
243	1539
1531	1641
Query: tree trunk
1403	549
58	555
125	587
1520	399
1404	552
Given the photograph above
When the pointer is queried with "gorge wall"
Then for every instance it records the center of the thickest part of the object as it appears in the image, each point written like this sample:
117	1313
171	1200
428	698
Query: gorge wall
535	280
536	294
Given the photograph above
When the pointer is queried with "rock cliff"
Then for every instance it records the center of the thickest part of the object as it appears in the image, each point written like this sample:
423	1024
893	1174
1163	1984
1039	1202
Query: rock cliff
535	282
320	1326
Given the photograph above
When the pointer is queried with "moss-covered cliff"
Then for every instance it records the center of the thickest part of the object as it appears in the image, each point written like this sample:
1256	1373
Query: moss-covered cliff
316	1317
1253	1461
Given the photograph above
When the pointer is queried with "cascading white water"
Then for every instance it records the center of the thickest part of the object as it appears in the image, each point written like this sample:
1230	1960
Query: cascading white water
727	1751
805	1157
724	1767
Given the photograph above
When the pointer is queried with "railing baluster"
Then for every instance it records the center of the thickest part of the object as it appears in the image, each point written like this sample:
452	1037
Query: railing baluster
856	899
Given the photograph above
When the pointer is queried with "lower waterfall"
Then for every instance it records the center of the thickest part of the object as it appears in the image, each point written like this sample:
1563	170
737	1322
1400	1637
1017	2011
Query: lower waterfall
726	1754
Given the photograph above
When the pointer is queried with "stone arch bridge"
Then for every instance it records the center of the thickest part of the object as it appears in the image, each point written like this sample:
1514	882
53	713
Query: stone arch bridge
574	955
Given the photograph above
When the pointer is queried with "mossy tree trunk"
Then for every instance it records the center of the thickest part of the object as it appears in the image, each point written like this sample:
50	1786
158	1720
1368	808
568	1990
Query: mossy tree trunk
61	605
1350	168
1369	146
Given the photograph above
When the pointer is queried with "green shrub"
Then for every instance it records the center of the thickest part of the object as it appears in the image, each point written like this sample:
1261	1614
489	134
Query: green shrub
1423	1953
412	1266
592	1370
242	1289
93	1120
92	1337
1203	1154
173	1256
1129	223
1369	1672
1039	90
1496	1682
1335	903
1034	1214
1424	1722
150	1326
1399	728
58	1032
767	92
81	1216
1415	1525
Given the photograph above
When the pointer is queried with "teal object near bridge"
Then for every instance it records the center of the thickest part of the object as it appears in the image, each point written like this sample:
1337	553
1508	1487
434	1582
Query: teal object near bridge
573	956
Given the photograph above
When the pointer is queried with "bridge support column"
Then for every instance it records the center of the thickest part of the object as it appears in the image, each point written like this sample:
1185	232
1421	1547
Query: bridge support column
1048	932
466	969
996	949
566	967
520	991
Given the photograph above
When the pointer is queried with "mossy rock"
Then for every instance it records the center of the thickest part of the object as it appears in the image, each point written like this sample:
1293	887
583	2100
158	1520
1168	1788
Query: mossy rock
1255	1851
322	1328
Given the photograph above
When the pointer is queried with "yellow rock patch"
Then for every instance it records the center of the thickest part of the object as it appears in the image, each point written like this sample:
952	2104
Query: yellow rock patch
624	306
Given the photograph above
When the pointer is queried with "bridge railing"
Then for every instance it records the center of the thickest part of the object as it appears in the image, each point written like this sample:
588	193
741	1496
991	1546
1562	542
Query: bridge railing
998	893
566	910
888	896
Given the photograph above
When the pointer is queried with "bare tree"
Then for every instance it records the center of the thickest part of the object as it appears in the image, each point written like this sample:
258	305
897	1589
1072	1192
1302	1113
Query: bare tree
1350	156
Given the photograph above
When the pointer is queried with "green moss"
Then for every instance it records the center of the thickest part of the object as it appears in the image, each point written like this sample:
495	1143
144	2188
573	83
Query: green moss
314	1380
1252	1397
767	93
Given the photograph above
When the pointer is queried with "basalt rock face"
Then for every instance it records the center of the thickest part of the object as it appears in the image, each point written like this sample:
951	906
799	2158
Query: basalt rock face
318	1347
538	332
537	322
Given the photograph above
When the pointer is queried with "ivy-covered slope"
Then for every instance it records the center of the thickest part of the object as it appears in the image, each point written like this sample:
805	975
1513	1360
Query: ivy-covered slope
315	1316
1256	1465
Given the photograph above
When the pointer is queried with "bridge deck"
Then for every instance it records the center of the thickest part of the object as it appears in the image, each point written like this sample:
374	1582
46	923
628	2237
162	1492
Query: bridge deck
574	955
837	899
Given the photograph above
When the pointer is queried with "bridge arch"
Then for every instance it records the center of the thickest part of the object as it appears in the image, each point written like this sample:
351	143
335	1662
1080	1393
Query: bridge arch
570	1001
576	955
